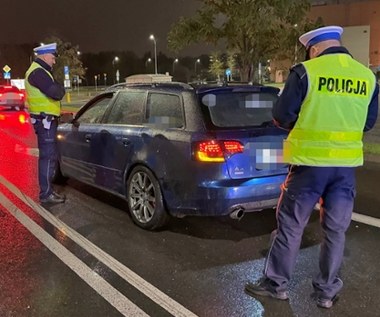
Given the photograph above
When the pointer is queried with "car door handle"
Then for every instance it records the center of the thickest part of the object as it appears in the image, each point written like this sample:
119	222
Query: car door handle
126	141
87	137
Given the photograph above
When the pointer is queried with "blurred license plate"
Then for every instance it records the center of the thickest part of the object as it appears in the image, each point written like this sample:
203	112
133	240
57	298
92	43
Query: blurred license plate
269	158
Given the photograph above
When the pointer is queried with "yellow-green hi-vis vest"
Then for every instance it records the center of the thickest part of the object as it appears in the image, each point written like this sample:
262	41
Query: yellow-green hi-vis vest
329	128
36	100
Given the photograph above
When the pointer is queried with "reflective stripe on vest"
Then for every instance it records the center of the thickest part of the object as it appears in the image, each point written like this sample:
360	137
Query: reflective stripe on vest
329	128
36	100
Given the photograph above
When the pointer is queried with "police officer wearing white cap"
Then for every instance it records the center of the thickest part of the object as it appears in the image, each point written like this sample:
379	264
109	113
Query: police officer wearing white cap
327	103
43	95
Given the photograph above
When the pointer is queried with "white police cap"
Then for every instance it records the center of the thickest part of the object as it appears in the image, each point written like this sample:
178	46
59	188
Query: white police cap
46	49
319	35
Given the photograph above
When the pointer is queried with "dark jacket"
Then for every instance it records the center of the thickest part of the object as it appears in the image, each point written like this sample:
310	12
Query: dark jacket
48	86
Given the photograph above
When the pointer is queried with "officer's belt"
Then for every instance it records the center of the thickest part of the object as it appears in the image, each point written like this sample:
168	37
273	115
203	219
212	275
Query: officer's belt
49	117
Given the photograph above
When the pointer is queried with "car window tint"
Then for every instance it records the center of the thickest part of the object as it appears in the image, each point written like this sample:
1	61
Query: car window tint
128	108
95	112
239	109
164	110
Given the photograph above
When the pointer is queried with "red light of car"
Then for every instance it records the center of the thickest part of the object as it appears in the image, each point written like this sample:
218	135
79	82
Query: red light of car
215	151
233	147
22	119
21	95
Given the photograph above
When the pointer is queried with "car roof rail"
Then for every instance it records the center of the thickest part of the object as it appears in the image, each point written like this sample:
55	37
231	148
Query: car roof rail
115	87
223	83
148	84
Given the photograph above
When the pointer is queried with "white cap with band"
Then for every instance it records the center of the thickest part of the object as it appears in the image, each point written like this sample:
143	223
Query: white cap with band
319	35
46	49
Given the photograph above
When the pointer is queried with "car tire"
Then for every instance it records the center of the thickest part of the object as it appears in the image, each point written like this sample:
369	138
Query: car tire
58	177
145	201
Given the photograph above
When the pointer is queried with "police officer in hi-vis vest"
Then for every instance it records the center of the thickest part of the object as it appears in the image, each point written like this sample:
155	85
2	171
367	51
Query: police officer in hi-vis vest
327	103
43	95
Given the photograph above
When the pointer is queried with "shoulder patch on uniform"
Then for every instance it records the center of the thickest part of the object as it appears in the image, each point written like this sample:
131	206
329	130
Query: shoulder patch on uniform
299	69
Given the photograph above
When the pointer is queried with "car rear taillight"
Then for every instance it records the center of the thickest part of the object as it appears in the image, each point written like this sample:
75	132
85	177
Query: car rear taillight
21	95
216	151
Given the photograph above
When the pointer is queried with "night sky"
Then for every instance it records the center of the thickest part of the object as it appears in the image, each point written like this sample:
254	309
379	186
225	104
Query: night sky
96	25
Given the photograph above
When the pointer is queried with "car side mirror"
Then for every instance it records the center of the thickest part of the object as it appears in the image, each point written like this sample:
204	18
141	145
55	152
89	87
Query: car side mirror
67	117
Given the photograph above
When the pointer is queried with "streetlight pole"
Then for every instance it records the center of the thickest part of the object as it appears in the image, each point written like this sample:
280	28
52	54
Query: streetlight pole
115	59
78	54
295	46
151	37
195	66
174	62
147	62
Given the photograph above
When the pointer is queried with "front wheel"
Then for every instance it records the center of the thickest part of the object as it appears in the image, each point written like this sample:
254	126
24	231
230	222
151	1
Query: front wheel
145	199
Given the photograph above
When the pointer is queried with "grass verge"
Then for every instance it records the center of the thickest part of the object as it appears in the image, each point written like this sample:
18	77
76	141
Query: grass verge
372	148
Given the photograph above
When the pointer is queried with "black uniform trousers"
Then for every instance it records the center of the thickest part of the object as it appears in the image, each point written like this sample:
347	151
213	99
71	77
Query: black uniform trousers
47	146
302	189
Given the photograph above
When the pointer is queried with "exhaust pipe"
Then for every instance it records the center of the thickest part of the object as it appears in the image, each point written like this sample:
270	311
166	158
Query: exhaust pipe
237	213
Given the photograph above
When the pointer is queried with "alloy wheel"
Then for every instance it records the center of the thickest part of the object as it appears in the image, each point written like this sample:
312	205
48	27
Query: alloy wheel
142	197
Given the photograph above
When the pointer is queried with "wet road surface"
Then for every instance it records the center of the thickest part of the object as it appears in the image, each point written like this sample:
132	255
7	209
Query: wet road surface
86	258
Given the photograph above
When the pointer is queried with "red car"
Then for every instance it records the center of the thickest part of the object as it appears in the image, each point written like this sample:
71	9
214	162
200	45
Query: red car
12	108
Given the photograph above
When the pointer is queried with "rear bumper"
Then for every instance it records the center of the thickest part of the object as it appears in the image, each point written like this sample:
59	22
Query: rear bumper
220	198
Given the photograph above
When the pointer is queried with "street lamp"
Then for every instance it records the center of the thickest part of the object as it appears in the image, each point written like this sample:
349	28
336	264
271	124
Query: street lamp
96	82
149	60
174	62
115	60
77	76
151	37
195	65
296	45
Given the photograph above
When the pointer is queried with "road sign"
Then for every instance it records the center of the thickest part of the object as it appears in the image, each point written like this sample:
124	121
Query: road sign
6	68
7	75
66	72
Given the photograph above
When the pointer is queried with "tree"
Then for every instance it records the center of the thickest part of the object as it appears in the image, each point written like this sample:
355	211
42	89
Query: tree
216	67
255	29
67	56
291	48
231	63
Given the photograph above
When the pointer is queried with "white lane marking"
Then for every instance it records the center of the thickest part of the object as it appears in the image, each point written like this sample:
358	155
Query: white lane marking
101	286
124	272
375	222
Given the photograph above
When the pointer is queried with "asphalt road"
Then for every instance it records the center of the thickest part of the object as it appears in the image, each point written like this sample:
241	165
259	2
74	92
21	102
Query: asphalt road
86	258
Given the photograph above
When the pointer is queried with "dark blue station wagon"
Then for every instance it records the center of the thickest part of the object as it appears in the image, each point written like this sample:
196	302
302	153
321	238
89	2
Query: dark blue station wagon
178	149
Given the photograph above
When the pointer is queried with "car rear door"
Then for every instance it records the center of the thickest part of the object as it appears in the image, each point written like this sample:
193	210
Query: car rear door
120	141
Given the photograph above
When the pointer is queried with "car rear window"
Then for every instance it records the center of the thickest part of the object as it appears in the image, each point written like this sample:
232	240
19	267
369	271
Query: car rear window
239	108
11	98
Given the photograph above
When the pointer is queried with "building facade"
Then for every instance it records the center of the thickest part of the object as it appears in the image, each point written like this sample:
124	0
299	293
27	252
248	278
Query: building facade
361	20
